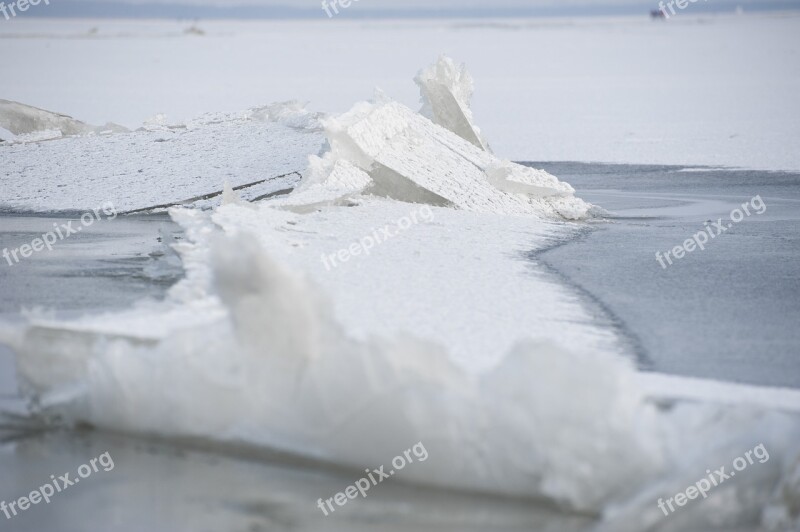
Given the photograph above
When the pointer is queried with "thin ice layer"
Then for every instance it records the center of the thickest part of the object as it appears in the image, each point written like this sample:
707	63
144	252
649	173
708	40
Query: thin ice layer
161	166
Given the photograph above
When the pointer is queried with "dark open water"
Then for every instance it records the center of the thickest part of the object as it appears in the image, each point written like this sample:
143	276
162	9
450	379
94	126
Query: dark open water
729	312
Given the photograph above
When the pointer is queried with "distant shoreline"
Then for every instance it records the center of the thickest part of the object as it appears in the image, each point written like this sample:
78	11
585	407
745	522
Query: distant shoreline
121	10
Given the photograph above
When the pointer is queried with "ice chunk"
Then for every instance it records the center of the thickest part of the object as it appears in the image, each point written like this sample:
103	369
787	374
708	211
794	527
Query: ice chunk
21	119
411	159
446	91
328	181
518	179
292	114
6	135
385	149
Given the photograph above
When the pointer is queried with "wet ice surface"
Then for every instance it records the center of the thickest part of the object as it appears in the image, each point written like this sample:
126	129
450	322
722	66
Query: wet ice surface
729	312
156	486
107	265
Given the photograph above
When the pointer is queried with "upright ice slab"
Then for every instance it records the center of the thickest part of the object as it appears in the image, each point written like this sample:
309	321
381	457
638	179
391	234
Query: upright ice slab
446	90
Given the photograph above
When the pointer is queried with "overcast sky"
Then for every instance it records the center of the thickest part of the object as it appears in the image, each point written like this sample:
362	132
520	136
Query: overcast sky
437	4
270	8
447	4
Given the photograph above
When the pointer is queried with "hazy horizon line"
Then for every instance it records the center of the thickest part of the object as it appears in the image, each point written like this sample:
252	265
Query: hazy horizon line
96	9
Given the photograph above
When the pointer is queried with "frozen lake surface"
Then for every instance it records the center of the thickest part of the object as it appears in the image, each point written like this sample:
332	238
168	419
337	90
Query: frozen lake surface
699	89
726	313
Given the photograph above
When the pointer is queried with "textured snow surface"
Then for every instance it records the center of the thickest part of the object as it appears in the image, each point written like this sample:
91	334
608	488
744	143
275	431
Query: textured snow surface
158	166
